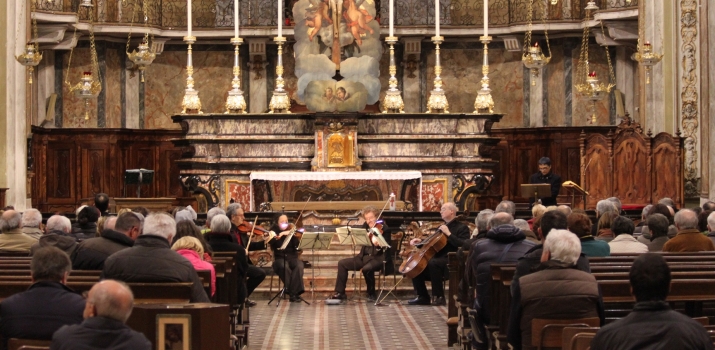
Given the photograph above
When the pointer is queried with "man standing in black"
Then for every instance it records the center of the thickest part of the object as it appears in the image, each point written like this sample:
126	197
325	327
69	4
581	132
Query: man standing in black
436	270
545	176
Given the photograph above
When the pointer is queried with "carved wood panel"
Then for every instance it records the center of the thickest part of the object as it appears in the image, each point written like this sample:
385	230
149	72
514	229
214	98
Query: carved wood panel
60	171
95	172
631	169
597	168
667	169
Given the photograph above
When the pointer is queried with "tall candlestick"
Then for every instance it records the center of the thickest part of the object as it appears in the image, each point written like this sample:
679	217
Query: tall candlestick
436	17
486	17
235	18
280	18
392	18
188	17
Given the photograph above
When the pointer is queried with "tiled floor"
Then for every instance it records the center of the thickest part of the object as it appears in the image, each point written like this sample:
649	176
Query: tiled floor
352	326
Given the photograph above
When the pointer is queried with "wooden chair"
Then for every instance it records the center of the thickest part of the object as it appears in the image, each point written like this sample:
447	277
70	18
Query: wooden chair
546	333
28	344
578	338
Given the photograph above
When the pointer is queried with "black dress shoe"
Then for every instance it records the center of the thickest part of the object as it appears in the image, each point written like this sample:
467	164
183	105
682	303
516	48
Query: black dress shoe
418	301
250	303
340	296
371	297
295	299
439	301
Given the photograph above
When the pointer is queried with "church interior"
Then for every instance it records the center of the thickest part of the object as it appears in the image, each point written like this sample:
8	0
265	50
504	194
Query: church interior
327	110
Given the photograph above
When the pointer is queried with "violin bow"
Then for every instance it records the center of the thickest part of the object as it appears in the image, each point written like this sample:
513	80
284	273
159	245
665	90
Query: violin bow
250	236
295	224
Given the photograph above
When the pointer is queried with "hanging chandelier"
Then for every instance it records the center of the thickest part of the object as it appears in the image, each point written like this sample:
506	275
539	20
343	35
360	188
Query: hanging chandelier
31	57
143	56
533	58
644	54
90	84
588	84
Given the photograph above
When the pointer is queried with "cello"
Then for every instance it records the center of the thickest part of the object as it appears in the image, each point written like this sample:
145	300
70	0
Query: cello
417	260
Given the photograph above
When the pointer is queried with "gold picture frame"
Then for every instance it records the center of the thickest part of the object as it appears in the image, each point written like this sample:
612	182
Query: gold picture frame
173	331
227	194
445	188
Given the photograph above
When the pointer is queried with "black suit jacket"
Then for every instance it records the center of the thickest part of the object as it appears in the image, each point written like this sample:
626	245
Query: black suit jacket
550	178
99	333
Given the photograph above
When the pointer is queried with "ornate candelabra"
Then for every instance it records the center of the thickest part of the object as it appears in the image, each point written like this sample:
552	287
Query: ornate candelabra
235	103
191	101
535	60
280	103
484	102
647	59
30	58
393	98
142	57
437	101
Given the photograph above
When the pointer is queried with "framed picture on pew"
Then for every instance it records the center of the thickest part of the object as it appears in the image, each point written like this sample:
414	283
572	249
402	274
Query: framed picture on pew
173	332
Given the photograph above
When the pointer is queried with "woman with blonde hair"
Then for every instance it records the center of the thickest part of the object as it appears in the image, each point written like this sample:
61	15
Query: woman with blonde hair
191	249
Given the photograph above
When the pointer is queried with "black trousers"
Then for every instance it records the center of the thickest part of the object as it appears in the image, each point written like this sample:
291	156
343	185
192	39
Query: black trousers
368	264
290	271
255	275
435	272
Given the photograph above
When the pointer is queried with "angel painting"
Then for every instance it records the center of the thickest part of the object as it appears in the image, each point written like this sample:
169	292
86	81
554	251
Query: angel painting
357	19
315	15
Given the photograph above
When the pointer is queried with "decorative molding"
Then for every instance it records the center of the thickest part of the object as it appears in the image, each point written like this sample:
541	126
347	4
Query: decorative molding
689	95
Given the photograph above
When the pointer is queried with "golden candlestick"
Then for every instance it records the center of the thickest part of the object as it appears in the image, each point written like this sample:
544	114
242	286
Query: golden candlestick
437	101
280	102
235	103
191	102
393	98
484	103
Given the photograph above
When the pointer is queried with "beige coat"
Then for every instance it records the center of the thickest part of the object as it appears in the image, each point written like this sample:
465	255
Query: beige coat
16	241
625	243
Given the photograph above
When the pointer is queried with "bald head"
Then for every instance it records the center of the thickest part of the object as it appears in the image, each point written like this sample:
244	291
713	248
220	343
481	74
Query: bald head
499	219
10	220
110	299
110	223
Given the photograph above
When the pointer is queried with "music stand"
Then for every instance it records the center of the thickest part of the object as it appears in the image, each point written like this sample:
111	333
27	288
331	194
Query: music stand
313	241
137	177
535	190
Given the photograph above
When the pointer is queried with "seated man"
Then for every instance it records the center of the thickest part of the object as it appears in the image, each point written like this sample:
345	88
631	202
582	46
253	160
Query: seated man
47	305
91	253
32	223
109	305
369	260
436	271
624	242
557	291
689	238
152	260
255	274
58	235
658	226
12	239
652	324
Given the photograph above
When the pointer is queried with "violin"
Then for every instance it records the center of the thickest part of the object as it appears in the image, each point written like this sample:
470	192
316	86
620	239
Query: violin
247	228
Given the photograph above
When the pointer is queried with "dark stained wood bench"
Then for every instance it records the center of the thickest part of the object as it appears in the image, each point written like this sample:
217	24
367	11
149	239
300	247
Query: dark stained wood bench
144	293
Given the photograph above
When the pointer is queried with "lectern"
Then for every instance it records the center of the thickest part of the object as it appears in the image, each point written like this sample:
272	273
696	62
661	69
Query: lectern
137	177
535	190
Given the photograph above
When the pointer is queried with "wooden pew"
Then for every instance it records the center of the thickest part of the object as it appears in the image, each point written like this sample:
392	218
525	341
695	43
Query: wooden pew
144	293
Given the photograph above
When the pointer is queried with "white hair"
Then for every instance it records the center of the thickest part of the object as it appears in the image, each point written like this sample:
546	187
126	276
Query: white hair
213	212
522	225
616	202
160	224
183	214
10	220
564	209
76	212
711	221
58	223
563	245
451	206
506	207
483	218
645	211
110	223
221	224
604	206
232	209
686	219
31	218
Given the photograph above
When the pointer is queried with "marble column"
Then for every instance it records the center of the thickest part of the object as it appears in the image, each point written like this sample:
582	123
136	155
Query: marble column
258	98
411	74
625	80
44	89
13	101
131	100
537	103
707	53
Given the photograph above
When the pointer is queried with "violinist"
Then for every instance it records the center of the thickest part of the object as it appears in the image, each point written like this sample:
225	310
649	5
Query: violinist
436	270
255	274
369	260
286	264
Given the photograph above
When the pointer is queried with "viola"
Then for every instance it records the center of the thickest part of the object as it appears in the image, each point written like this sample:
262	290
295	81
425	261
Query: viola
247	228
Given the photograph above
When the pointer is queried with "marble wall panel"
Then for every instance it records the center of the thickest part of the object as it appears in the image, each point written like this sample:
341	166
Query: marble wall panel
266	150
582	108
73	108
405	150
555	88
433	196
462	72
466	149
238	192
113	106
284	190
407	126
263	126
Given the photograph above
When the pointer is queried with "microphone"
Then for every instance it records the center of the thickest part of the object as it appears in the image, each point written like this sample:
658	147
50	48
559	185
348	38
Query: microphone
353	218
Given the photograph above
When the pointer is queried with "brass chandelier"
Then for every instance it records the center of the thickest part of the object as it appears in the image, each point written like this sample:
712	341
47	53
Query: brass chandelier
32	56
143	56
90	84
532	57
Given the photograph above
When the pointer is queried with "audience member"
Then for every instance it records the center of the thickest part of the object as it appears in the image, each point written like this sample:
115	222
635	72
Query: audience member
109	304
644	214
616	203
538	210
186	213
522	225
602	207
580	225
209	216
709	205
605	223
667	201
92	253
689	238
101	202
47	305
191	249
58	235
32	223
625	242
658	225
481	221
12	239
86	225
506	207
255	274
703	221
504	243
186	228
668	213
141	210
152	260
652	324
109	224
564	209
221	240
556	291
697	210
711	226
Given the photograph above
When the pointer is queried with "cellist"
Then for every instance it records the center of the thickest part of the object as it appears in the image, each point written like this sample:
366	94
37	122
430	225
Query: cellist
436	270
369	260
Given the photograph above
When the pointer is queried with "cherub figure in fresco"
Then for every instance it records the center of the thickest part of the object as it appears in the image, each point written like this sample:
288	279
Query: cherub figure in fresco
315	16
342	95
328	96
356	19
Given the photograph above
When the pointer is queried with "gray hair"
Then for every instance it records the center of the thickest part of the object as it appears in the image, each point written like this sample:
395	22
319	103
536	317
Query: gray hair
564	209
10	220
483	219
522	225
50	264
58	223
563	245
686	219
604	206
232	209
160	224
506	207
616	202
499	219
667	201
711	221
645	211
110	302
31	218
183	214
213	212
221	224
451	206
